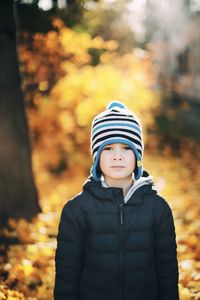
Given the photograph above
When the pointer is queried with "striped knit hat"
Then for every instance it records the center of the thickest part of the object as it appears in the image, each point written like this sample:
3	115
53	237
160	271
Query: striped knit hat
116	124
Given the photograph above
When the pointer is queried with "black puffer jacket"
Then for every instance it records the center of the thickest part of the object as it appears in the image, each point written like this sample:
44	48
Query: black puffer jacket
108	250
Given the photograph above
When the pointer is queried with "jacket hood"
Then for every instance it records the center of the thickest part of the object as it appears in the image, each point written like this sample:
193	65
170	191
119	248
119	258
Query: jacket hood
99	189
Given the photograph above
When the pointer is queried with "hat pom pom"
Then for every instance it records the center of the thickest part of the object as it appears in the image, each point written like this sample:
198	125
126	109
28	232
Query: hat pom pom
117	104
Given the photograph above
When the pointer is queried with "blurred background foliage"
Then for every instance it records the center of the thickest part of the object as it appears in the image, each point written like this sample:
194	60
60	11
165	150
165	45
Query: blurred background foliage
94	51
75	56
64	89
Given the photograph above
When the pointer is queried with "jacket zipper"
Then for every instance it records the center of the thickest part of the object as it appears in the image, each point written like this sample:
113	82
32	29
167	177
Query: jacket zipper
121	214
121	249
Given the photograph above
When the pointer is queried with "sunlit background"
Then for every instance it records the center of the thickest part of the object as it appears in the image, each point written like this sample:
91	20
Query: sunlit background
76	56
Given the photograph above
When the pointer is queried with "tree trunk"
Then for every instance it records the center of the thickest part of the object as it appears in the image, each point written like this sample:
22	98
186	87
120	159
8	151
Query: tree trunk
18	194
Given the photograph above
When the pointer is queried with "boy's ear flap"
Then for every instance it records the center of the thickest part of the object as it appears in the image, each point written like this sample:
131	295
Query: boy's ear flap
135	170
98	171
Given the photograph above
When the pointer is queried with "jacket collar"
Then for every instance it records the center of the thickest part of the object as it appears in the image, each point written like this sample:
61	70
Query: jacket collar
144	180
134	196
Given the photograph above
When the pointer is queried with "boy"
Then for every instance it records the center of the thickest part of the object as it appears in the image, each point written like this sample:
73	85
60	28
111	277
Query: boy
116	239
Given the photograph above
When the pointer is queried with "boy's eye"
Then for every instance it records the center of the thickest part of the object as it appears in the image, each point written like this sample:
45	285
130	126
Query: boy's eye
127	148
107	148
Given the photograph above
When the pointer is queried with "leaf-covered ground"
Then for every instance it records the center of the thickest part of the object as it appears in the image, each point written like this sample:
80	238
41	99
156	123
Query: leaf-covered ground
27	255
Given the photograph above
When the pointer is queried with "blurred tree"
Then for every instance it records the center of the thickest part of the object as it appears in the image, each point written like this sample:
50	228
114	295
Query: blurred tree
110	22
175	52
71	12
98	17
18	195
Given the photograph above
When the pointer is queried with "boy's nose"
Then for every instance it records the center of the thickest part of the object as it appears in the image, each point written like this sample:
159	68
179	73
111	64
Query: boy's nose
117	155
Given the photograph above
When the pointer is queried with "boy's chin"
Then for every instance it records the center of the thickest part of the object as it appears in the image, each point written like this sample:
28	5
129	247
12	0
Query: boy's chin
120	177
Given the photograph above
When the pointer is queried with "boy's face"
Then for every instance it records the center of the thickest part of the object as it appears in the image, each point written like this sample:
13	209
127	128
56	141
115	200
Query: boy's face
117	161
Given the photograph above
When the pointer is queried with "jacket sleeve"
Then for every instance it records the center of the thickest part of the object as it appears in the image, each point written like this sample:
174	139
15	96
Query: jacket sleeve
69	255
166	263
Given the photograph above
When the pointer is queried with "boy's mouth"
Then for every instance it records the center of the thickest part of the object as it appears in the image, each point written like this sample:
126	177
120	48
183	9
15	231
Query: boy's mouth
117	167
